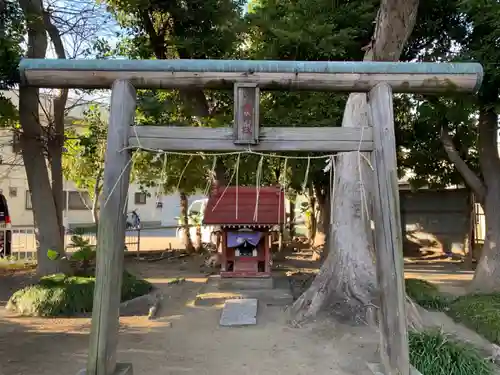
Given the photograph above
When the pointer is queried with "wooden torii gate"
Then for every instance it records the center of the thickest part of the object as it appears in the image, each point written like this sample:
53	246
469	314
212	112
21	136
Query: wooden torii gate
379	79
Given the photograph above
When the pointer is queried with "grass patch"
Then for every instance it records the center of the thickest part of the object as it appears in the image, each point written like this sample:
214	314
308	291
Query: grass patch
16	265
61	295
434	353
426	294
480	312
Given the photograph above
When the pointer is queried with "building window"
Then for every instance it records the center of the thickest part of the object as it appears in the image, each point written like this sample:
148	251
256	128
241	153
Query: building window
78	200
16	142
12	191
27	203
140	198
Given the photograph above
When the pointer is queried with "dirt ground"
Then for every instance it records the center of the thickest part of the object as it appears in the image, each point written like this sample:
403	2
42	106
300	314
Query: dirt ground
184	339
187	339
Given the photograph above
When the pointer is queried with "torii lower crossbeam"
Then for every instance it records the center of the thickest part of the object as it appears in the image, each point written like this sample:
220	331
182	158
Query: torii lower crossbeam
287	139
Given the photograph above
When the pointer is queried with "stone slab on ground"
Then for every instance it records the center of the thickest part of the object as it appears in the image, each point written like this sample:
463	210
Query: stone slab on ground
239	312
140	306
211	294
121	369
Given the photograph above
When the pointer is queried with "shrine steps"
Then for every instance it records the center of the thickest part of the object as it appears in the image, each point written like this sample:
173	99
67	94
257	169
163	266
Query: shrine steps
242	283
217	291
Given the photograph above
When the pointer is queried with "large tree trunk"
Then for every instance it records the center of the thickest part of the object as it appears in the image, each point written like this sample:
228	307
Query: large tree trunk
311	218
95	207
97	198
291	227
44	209
487	275
323	235
57	182
322	215
199	239
346	284
219	177
95	212
186	237
56	140
487	192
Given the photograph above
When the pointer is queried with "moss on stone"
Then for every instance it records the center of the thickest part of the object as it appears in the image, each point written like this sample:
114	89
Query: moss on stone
61	295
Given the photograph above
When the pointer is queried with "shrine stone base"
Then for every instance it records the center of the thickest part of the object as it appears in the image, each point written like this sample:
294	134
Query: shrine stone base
121	369
218	290
235	283
376	369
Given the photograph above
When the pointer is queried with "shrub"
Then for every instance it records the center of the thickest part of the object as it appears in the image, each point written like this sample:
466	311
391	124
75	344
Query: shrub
426	294
133	287
84	257
480	312
61	295
434	353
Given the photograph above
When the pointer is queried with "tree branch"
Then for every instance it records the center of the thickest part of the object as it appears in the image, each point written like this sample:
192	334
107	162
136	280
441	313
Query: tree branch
157	44
194	99
471	179
60	100
54	35
393	26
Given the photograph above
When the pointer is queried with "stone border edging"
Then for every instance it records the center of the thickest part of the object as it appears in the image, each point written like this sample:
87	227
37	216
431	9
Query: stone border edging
152	300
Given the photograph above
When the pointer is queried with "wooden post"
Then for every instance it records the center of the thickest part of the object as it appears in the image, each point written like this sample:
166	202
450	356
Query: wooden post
388	236
111	234
267	254
280	238
223	262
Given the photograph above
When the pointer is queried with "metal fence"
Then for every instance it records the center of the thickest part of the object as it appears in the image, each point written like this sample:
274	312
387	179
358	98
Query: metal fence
24	244
132	240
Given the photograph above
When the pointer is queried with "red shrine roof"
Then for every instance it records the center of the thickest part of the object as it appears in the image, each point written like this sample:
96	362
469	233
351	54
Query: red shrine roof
236	206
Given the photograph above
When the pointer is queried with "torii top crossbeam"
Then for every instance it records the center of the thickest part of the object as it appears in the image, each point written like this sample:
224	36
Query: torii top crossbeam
438	78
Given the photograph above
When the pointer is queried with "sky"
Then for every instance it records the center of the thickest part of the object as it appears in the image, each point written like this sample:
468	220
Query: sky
77	14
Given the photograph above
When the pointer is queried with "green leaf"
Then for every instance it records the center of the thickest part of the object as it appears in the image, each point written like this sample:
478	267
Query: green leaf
52	254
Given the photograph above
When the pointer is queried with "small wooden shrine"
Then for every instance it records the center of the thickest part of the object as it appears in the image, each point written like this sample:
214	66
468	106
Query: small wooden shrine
245	218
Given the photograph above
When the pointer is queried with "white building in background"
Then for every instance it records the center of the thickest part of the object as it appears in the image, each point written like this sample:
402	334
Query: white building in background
14	186
14	183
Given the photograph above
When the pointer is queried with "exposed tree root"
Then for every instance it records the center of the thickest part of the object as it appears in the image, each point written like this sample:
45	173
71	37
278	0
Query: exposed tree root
346	288
413	318
334	291
354	309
